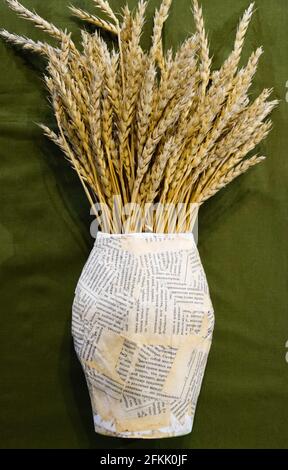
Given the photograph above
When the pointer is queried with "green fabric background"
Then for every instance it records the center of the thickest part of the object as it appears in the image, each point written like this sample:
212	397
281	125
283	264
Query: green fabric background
44	240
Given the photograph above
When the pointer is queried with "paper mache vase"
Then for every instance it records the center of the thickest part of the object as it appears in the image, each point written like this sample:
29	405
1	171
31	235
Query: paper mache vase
142	327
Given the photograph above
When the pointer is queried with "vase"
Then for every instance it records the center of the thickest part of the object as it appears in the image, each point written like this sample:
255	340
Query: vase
142	328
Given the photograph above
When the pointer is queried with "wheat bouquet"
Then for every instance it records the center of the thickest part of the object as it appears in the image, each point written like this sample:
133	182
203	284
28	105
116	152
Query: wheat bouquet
152	135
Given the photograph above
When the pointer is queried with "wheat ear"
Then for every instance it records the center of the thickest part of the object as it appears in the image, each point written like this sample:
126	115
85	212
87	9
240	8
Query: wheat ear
205	61
89	18
150	188
145	107
39	22
26	43
160	18
229	67
105	7
227	178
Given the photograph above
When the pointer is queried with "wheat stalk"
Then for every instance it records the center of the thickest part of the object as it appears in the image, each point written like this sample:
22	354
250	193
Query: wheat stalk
133	72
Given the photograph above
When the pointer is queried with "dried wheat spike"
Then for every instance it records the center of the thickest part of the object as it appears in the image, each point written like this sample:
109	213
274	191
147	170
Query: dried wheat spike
99	22
149	126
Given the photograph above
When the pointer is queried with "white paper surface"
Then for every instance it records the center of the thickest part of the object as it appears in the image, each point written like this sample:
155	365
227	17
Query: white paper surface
142	328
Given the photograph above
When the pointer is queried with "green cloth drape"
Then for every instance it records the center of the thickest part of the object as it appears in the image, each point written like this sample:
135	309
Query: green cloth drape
45	240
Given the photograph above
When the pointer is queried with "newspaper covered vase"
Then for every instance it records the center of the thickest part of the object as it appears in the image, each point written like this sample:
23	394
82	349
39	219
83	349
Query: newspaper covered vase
142	327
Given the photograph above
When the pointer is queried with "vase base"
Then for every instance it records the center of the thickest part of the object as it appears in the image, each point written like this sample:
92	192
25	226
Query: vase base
107	428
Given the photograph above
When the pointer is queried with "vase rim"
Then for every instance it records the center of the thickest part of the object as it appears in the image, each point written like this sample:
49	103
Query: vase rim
101	234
